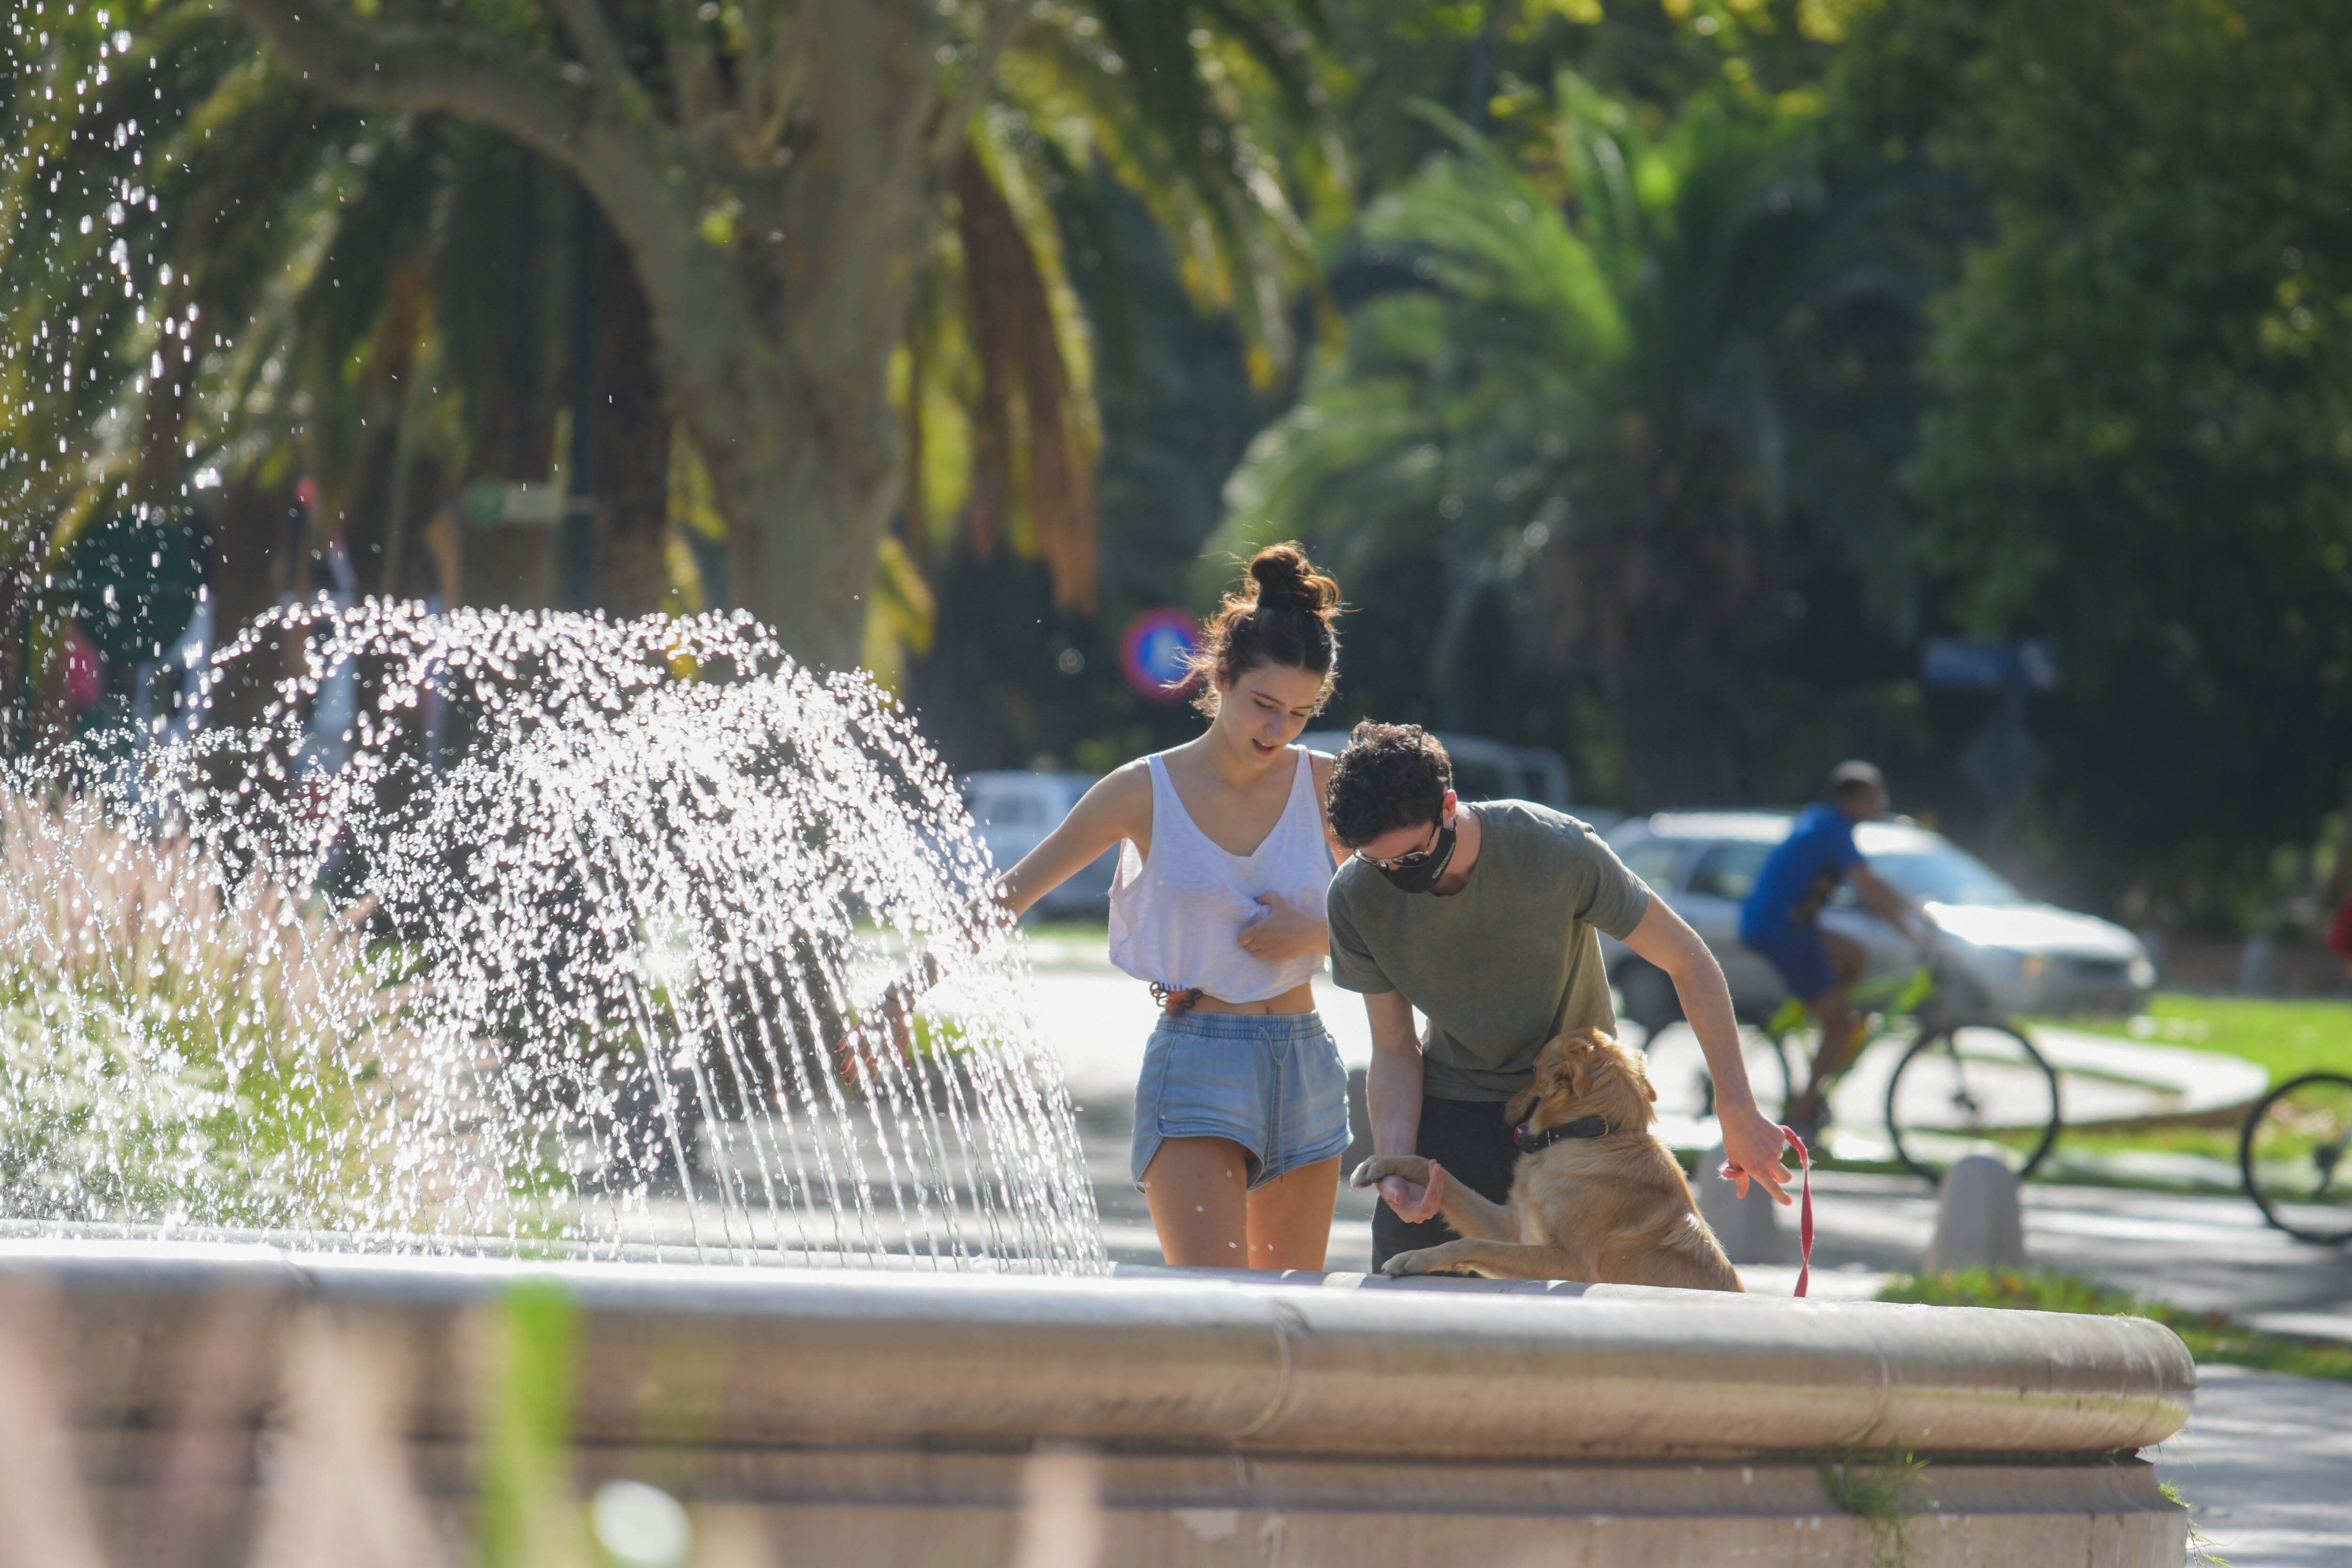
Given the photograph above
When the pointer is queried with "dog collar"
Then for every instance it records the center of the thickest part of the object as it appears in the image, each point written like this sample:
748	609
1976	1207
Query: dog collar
1582	1127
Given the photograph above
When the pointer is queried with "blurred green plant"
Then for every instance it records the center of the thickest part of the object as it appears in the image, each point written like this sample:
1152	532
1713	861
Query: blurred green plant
1882	1487
175	1051
528	1518
2209	1336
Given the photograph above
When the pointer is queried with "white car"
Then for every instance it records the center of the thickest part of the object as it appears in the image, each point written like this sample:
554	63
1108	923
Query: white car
2021	957
1014	811
1482	769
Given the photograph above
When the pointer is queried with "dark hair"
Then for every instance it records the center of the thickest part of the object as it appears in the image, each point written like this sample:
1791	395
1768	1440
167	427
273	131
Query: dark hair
1282	614
1391	776
1852	778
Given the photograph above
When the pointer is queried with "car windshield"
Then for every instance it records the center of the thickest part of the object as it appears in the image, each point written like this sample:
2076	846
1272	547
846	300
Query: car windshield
1944	875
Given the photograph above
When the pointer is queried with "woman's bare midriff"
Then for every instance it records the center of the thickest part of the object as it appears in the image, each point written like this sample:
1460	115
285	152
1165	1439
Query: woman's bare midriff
1299	998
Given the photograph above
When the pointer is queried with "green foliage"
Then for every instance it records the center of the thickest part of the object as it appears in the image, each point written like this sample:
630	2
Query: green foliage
172	1051
2209	1336
2201	1545
1582	392
1882	1486
2143	438
527	1517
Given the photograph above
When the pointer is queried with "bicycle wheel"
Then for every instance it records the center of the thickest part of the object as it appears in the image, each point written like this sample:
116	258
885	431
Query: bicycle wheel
1771	1068
2291	1156
1679	1060
1975	1088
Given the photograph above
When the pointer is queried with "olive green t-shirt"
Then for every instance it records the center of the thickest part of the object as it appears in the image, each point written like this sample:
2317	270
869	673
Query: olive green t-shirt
1503	966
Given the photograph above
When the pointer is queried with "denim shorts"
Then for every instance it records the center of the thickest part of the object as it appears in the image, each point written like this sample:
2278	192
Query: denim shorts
1272	1082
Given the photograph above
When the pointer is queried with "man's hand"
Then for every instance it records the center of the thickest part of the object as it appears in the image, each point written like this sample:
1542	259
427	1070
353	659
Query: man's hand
1284	931
1751	1150
1413	1202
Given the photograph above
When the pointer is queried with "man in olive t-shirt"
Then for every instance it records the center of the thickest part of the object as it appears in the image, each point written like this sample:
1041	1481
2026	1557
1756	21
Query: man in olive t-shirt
1487	918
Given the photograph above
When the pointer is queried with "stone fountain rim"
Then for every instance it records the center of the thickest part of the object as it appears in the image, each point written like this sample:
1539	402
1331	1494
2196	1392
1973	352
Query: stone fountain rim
1315	1365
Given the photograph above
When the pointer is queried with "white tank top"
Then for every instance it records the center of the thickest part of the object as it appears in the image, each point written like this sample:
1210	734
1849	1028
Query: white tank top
1177	918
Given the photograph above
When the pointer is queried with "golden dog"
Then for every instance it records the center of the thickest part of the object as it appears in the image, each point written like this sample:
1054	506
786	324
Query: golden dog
1606	1202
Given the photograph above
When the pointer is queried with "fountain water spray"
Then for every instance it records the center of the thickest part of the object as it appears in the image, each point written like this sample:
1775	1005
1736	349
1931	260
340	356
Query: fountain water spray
578	928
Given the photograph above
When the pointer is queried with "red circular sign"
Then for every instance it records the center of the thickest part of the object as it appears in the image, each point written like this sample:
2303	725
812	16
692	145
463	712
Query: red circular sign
1157	654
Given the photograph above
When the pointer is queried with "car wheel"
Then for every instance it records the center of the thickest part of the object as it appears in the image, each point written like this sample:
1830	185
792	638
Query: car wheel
1649	991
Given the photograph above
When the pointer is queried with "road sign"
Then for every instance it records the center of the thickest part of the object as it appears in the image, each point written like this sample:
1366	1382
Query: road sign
502	503
2002	759
134	583
1156	653
1956	664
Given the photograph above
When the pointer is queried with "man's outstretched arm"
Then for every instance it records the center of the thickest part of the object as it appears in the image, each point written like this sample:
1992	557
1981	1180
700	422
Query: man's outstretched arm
1392	1095
1749	1141
1889	903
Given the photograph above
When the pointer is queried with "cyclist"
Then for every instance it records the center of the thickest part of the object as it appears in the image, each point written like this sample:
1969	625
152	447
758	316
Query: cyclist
1781	920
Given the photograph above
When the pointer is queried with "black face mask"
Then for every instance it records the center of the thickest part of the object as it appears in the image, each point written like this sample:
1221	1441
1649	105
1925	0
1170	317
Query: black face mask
1423	874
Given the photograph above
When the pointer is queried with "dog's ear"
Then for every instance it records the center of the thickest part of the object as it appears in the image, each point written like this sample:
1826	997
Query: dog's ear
1545	1073
1580	1057
1621	1089
1579	1077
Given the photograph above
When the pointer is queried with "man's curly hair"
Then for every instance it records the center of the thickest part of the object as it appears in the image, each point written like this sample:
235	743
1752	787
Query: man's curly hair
1391	776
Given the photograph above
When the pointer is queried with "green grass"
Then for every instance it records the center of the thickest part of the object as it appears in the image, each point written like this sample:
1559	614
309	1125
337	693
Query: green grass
1881	1486
1094	932
2209	1336
2287	1038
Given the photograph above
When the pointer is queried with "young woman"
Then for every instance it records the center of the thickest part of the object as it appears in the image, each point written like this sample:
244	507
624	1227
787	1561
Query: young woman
1224	859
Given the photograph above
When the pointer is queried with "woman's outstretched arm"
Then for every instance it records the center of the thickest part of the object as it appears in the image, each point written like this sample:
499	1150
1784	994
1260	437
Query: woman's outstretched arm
1118	807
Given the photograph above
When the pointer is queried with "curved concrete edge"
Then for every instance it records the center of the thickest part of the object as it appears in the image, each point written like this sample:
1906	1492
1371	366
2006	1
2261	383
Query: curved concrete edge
792	1359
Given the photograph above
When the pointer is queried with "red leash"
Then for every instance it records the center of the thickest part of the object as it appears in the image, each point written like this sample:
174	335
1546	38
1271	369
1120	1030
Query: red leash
1804	1208
1805	1211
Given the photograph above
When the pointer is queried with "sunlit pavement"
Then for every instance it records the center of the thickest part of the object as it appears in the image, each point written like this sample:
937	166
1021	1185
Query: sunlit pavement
2264	1460
2263	1465
2207	1253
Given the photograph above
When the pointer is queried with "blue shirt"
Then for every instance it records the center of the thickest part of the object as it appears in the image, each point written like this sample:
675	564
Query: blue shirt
1800	875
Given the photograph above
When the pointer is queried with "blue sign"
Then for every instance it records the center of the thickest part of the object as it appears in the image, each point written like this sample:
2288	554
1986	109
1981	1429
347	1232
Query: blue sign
1956	664
1156	653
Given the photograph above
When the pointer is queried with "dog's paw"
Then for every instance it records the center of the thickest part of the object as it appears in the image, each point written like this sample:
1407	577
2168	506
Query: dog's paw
1405	1263
1411	1167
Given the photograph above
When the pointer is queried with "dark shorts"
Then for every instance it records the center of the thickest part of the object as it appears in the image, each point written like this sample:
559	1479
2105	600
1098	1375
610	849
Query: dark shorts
1471	1139
1799	954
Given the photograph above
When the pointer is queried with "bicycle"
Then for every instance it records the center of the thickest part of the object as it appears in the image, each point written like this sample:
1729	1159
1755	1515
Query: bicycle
2291	1156
1964	1084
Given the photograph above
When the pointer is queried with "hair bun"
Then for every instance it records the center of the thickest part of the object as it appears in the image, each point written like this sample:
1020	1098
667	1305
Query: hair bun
1286	580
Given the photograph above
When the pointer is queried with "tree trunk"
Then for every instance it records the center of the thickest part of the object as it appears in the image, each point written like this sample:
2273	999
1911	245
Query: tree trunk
778	285
781	374
633	430
1673	601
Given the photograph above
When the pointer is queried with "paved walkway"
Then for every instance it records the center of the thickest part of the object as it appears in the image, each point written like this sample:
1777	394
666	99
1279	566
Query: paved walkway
2264	1464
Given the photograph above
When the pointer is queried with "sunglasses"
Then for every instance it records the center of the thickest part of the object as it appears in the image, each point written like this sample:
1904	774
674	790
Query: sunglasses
1406	861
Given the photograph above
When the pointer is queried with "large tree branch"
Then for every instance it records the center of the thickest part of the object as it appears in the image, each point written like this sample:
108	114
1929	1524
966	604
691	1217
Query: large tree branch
548	107
630	163
584	20
999	25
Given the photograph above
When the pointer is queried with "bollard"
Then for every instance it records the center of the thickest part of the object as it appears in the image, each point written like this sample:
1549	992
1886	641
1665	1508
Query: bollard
1980	1223
1748	1228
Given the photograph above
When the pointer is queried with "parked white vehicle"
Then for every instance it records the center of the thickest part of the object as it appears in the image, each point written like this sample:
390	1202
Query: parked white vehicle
1482	769
1014	811
2023	957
